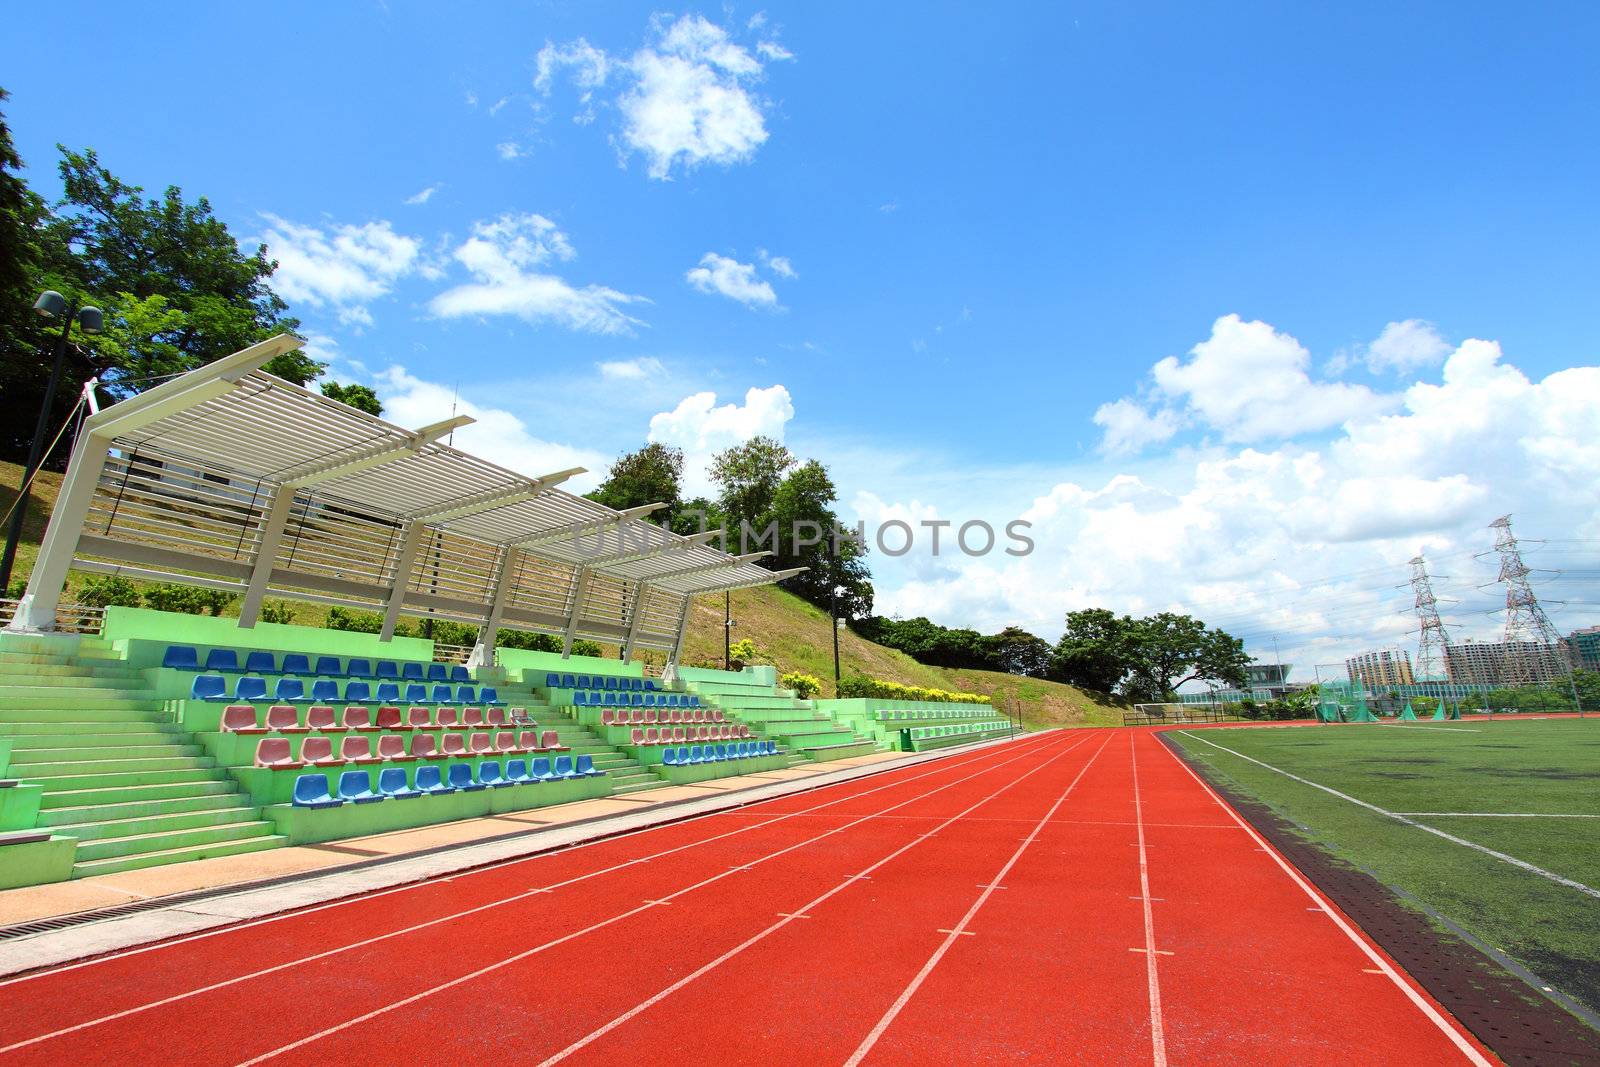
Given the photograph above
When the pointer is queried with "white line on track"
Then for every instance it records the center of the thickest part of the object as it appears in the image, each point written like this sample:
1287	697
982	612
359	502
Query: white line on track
480	972
1158	1035
1494	815
960	928
497	865
645	1005
276	968
1397	817
1473	1055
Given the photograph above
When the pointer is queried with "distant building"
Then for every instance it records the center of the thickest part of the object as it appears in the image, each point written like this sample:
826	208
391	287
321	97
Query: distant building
1583	646
1487	662
1388	669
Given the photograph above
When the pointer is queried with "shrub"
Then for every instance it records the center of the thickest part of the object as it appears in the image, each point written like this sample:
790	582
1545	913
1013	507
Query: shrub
361	622
804	685
744	650
858	685
189	600
586	648
278	611
110	591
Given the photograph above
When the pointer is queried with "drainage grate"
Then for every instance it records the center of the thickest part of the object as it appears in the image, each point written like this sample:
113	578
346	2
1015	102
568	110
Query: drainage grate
64	922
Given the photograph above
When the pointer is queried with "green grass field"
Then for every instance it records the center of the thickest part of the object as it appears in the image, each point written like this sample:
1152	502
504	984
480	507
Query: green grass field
1461	775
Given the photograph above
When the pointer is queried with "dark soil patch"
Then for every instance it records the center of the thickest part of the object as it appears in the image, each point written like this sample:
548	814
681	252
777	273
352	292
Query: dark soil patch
1515	1021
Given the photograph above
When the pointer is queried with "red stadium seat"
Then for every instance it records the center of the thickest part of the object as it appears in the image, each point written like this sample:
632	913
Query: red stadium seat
478	745
495	716
424	747
320	717
273	754
550	741
283	719
528	741
393	747
240	719
358	719
454	745
505	742
389	719
317	751
357	750
472	717
448	719
418	719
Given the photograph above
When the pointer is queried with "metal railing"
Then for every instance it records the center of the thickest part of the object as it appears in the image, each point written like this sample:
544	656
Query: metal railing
70	618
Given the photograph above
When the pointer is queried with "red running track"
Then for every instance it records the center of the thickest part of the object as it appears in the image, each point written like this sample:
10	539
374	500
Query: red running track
1076	896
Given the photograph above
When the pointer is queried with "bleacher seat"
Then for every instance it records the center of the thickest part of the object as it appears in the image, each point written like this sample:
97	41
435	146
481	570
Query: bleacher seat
670	757
441	695
551	680
389	718
311	791
461	778
357	750
696	754
273	754
411	672
459	673
423	746
416	693
223	660
517	771
648	683
261	663
251	689
323	689
389	692
392	783
528	741
283	719
479	745
358	668
240	719
430	780
472	717
550	741
449	718
356	786
357	719
182	658
295	663
419	719
317	750
392	749
539	770
505	742
568	682
585	768
329	667
289	690
490	695
437	673
320	717
489	774
495	717
357	691
387	669
454	745
580	700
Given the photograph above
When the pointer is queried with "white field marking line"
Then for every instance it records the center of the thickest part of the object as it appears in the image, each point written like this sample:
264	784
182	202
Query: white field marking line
955	764
645	1005
1495	815
480	972
484	907
1436	729
1397	817
960	928
1158	1036
1473	1055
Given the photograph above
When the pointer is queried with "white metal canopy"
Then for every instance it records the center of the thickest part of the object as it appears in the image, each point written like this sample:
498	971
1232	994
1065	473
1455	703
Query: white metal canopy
228	477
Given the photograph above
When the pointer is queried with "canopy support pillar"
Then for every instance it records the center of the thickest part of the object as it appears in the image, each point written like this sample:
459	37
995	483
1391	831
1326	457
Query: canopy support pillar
402	576
483	652
266	555
578	593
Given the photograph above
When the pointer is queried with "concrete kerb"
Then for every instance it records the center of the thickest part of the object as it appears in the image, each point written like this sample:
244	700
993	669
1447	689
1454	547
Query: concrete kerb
188	913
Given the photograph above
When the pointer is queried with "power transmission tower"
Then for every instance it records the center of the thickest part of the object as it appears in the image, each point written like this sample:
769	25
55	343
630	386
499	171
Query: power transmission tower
1431	655
1533	651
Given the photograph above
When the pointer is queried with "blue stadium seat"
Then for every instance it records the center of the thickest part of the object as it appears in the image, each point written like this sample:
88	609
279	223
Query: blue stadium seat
466	695
694	701
568	682
552	681
411	672
611	683
489	774
250	689
416	693
539	770
388	670
517	772
311	791
670	757
490	695
388	692
441	695
461	778
580	700
583	681
357	786
696	754
358	668
650	683
288	690
611	699
295	663
437	673
324	690
563	767
431	781
261	663
392	783
458	673
585	768
638	700
328	666
209	687
358	692
225	660
636	684
181	658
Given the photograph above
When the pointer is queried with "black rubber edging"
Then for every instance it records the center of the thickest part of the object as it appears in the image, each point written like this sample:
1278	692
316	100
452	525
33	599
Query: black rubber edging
1517	1021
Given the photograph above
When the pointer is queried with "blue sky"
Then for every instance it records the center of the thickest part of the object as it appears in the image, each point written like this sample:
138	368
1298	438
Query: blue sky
941	241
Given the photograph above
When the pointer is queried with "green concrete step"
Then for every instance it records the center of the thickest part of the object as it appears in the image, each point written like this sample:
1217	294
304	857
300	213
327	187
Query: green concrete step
138	809
25	755
177	855
166	841
72	770
839	751
94	733
45	672
145	713
156	824
57	697
639	787
130	779
91	796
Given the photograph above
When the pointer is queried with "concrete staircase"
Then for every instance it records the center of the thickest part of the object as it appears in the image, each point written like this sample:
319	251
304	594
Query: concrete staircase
117	773
777	714
626	774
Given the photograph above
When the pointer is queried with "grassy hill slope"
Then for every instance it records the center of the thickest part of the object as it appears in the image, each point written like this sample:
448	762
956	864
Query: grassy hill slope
792	633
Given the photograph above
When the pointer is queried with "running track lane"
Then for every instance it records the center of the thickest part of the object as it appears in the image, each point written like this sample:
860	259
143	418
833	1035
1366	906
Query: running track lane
326	964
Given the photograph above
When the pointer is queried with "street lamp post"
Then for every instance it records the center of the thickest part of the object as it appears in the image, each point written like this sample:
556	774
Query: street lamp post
727	627
50	305
833	613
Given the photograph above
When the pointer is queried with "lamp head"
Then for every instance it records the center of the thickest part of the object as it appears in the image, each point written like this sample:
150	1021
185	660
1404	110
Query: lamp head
90	320
50	304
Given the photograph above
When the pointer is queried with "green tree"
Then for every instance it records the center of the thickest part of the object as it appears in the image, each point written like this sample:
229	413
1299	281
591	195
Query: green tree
1172	649
137	341
650	475
747	477
1016	651
1097	650
360	397
802	510
699	514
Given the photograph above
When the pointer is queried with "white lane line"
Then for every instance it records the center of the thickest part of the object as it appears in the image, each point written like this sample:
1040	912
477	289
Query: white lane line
224	983
960	928
955	764
645	1005
1397	817
1473	1055
480	972
1158	1035
1494	815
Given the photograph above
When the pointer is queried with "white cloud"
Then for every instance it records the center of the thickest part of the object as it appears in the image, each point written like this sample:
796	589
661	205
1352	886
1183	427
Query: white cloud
497	435
423	196
686	98
701	427
631	370
779	265
504	256
510	150
732	279
1407	346
341	267
1130	426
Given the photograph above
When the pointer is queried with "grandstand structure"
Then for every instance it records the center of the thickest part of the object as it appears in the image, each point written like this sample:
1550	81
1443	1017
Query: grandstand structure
166	737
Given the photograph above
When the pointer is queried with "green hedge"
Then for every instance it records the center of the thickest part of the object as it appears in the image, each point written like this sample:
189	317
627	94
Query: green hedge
858	685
